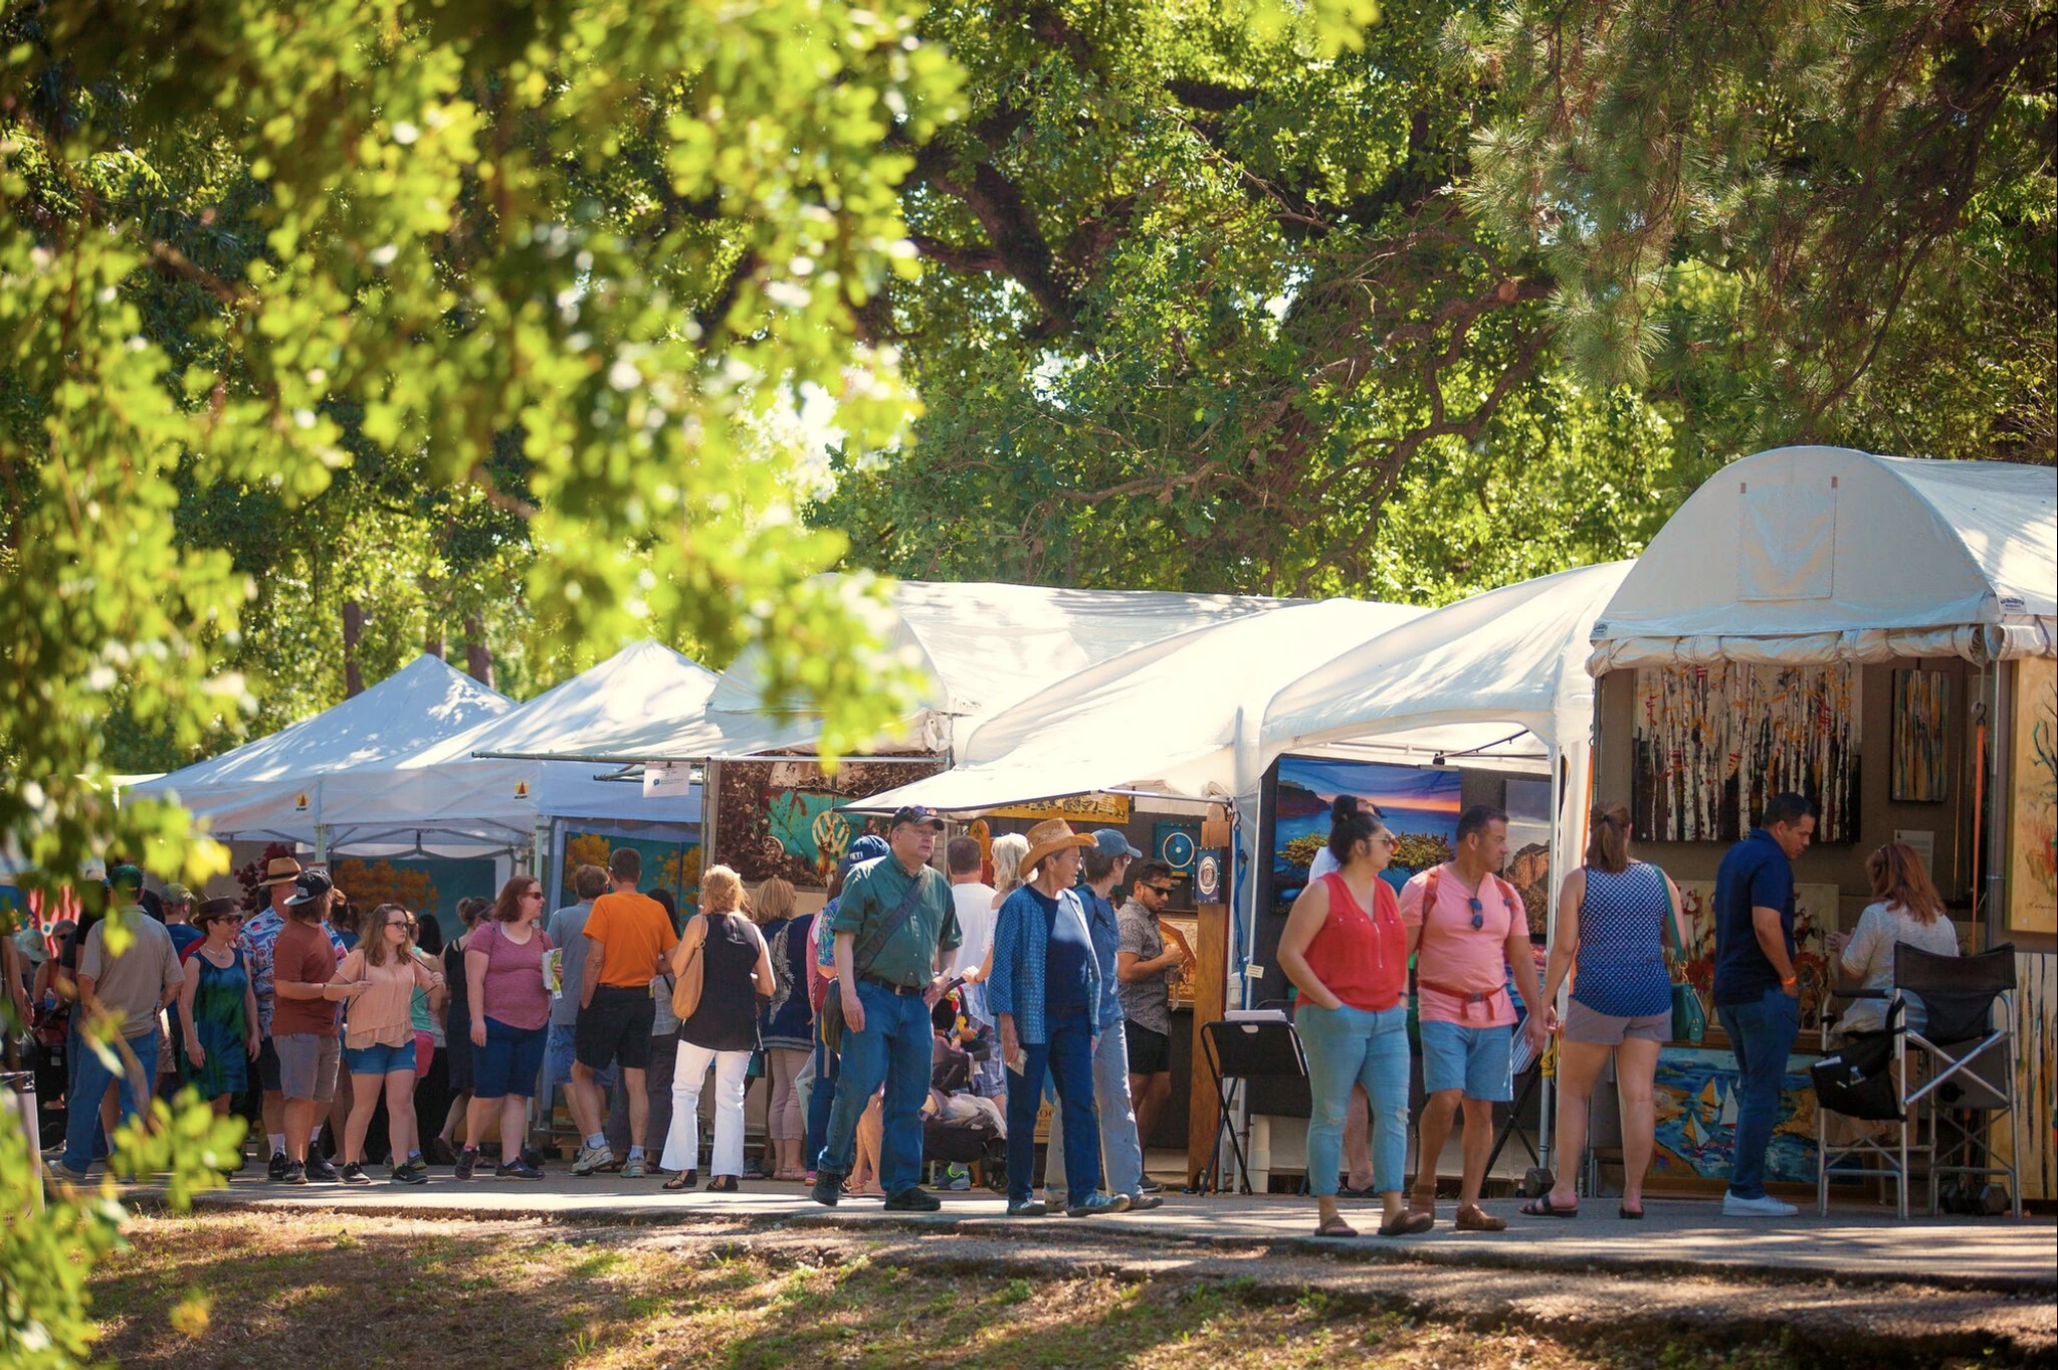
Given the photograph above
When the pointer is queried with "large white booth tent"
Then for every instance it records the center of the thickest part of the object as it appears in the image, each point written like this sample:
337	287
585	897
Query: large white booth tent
977	646
1163	718
1817	554
303	782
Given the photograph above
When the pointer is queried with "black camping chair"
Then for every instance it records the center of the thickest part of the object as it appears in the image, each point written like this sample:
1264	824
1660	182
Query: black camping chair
1247	1051
1946	1081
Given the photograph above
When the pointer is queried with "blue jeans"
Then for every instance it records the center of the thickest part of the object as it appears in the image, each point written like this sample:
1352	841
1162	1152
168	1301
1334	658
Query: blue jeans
82	1116
1068	1057
894	1049
822	1094
1761	1034
1348	1046
557	1060
1120	1149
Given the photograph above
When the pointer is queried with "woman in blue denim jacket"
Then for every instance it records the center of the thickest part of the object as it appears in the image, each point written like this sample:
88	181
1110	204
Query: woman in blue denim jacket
1044	995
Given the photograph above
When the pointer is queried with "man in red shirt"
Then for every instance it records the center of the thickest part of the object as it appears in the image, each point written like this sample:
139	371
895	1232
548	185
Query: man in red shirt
304	1023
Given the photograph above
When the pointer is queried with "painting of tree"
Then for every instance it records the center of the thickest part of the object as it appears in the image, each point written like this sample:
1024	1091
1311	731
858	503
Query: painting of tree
370	884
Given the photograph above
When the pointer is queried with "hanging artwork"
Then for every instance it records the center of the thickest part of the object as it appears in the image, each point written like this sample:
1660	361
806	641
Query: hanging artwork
786	818
1695	1105
2033	863
1815	917
1919	769
1714	743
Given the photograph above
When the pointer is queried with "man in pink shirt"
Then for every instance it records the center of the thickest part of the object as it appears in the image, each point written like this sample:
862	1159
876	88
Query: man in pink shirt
1466	927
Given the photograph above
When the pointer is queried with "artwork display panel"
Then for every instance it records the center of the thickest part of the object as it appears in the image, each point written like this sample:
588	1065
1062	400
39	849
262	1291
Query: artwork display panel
673	866
786	819
1695	1103
1420	805
1815	917
1919	770
2033	768
1713	743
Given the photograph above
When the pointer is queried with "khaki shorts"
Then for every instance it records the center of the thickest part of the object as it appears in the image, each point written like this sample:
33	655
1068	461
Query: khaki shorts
307	1066
1582	1024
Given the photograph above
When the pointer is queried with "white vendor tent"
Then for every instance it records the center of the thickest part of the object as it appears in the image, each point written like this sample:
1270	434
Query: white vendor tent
279	787
1816	554
979	646
1164	717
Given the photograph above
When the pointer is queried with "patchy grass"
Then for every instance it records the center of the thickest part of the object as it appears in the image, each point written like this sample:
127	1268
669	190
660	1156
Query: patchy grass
249	1289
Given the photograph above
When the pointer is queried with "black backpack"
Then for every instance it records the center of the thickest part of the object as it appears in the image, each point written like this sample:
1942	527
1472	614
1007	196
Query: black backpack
1857	1080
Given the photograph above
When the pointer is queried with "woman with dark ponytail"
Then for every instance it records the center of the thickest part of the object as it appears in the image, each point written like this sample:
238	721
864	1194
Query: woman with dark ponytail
1346	952
1612	913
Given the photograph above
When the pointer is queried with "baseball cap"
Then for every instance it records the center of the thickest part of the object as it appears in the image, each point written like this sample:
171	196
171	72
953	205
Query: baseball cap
125	878
30	943
917	814
1112	843
308	887
869	847
175	893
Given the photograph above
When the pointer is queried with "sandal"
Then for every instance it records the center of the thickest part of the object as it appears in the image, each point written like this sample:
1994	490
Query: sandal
1411	1223
1473	1218
722	1184
685	1179
1543	1208
1336	1227
1625	1211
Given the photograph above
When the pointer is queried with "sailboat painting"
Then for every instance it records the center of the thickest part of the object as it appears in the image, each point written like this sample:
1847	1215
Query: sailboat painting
1697	1102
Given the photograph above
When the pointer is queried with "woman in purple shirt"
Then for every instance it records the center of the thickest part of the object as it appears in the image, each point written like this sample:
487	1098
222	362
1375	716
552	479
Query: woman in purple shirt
510	1008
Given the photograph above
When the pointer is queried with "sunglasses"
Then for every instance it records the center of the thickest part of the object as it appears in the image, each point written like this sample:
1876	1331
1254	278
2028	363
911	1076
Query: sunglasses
1478	913
1164	891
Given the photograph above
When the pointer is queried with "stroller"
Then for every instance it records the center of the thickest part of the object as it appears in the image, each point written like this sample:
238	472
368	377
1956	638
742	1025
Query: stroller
959	1126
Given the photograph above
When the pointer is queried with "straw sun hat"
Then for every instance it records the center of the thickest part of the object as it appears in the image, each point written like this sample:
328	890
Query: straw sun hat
280	870
1048	838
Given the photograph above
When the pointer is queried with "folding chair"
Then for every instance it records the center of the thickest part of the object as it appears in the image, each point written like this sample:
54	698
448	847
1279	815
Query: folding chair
1243	1050
1966	1064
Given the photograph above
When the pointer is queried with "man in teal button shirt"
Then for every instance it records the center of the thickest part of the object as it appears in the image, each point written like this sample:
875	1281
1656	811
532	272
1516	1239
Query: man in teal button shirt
887	1036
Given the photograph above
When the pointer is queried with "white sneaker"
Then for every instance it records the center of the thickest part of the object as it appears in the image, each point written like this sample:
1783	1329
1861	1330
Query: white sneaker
591	1158
1766	1207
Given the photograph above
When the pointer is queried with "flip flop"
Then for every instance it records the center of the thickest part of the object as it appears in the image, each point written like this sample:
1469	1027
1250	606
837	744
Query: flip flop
1411	1223
1631	1213
1544	1208
1336	1228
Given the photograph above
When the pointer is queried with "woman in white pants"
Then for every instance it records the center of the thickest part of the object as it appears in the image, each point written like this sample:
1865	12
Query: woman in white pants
725	951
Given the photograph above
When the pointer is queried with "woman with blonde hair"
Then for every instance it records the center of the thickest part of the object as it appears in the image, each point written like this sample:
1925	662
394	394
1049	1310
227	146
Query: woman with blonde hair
1612	913
735	969
787	1025
378	980
1906	908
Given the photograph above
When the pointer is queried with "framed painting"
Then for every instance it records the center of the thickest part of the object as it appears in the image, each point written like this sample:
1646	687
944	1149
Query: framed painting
1919	768
1695	1101
1815	916
2033	769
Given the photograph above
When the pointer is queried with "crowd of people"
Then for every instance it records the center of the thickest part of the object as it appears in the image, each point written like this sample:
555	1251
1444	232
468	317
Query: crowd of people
923	1007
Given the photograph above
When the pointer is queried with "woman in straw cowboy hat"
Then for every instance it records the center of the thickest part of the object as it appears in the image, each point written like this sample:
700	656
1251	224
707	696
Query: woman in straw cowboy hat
1044	993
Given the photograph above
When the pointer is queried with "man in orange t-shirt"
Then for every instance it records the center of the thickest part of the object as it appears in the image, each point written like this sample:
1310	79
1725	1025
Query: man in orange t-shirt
617	1010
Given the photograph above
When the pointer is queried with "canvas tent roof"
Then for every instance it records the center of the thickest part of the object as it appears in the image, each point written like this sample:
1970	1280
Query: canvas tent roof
1470	677
1163	717
1812	554
981	646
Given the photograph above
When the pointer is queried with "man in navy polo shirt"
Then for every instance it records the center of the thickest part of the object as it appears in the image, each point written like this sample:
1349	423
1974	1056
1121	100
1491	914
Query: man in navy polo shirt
1757	990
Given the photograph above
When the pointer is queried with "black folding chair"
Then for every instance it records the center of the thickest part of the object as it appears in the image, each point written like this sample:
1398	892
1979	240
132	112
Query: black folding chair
1247	1051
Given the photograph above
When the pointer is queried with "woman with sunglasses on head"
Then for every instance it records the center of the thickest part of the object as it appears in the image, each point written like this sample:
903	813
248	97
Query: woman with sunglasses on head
378	980
1612	913
510	1012
218	1008
1345	950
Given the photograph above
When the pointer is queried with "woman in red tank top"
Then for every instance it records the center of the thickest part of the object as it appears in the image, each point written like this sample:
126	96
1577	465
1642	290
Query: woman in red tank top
1346	952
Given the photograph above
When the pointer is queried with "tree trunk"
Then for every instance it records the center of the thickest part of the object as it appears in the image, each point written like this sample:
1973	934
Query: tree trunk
353	632
478	662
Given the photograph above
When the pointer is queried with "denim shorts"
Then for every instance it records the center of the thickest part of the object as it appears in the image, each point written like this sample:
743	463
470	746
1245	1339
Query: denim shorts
378	1059
508	1063
1476	1060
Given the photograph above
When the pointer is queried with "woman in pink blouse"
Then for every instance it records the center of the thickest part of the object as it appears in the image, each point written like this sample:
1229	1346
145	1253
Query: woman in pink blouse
378	980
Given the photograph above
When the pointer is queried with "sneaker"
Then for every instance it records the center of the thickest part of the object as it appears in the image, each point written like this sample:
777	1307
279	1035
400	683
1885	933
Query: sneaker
354	1174
828	1188
466	1160
1027	1208
407	1174
65	1172
294	1173
1765	1206
416	1165
277	1169
1098	1205
1150	1187
320	1171
519	1170
956	1179
632	1169
1140	1202
914	1200
592	1158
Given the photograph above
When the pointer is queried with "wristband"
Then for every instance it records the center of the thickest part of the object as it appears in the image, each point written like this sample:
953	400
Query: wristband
1789	980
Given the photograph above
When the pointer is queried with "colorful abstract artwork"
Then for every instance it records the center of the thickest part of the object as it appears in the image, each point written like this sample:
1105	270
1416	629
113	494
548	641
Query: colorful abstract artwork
1713	743
786	818
1815	917
1695	1100
1920	769
2033	864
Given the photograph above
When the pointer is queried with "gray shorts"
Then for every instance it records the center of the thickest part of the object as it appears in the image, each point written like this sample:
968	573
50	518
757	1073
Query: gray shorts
307	1065
1582	1024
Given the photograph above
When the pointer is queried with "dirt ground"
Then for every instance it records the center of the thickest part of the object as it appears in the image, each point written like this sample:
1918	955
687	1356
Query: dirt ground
332	1289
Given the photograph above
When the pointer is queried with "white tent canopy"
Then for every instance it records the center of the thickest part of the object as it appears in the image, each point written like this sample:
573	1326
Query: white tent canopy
1814	554
279	787
1162	717
980	646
